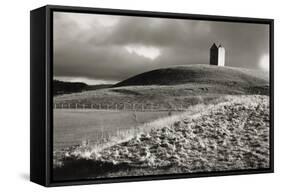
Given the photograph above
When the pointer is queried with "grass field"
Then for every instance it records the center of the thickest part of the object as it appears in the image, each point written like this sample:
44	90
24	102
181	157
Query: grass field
232	135
97	128
73	127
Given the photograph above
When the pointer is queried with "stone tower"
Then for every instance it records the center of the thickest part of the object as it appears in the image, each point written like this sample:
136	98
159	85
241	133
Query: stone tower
217	55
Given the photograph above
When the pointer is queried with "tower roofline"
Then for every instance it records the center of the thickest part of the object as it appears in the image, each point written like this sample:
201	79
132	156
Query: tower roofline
214	45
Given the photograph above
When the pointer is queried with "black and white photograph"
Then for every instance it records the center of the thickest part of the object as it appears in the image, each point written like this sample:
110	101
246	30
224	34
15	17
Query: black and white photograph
146	96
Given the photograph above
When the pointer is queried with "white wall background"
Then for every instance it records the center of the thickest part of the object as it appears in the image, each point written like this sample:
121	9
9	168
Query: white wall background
14	83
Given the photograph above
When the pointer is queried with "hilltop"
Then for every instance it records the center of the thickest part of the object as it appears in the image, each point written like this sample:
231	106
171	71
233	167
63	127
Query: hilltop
196	74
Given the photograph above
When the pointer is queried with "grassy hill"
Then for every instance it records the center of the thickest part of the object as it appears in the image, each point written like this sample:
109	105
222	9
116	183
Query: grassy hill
196	74
175	86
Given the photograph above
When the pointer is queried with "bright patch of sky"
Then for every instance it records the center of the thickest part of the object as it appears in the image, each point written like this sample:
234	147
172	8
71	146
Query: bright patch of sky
85	80
149	52
264	62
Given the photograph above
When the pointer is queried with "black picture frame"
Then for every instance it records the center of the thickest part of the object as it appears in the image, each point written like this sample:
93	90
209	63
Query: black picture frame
41	113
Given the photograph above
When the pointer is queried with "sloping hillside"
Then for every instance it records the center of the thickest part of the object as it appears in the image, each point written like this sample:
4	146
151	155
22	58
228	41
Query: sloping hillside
232	135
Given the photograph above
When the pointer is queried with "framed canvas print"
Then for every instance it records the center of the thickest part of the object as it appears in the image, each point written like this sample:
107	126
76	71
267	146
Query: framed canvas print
121	95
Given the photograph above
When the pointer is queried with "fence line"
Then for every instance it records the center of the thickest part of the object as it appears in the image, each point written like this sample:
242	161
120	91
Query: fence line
120	106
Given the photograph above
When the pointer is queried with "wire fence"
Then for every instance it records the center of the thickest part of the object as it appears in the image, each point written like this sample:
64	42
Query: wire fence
121	106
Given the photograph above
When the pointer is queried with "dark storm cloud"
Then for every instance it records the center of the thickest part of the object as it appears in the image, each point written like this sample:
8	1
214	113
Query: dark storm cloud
116	47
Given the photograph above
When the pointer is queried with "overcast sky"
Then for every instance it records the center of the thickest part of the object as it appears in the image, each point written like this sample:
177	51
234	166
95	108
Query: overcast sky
105	49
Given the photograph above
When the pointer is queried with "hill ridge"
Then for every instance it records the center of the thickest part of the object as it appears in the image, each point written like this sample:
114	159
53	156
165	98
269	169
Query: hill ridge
199	73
